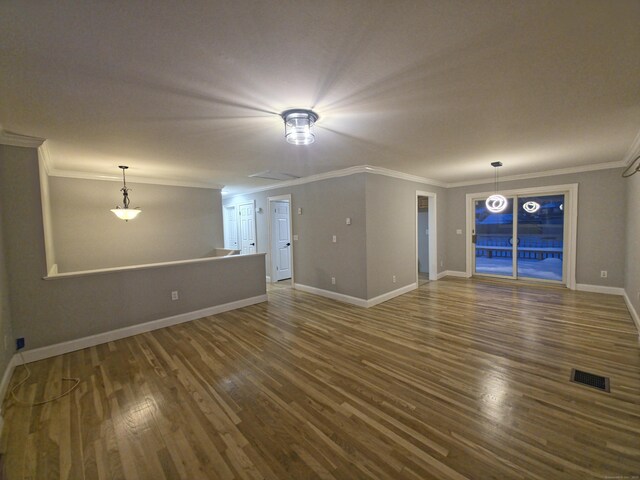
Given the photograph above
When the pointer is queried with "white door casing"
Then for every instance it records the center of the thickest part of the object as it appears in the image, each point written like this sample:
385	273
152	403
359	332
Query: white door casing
433	234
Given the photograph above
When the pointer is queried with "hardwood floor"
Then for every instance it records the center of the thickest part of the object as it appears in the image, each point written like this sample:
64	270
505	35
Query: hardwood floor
458	379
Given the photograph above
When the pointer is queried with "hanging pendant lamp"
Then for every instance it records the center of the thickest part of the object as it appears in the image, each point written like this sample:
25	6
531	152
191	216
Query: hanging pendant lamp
125	213
496	202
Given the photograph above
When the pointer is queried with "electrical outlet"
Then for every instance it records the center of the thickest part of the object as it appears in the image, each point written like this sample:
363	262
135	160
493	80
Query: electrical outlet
19	343
295	238
299	211
459	231
333	280
603	274
442	263
174	295
348	221
394	279
334	239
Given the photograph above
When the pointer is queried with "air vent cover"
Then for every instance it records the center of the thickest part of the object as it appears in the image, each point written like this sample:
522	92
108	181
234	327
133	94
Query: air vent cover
590	380
269	175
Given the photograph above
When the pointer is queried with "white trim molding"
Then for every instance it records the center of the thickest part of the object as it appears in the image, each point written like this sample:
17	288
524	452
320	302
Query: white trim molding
17	140
453	273
359	302
92	340
585	287
632	312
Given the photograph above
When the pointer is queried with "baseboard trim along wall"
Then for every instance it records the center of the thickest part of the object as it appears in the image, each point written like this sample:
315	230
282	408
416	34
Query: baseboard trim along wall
452	273
360	302
632	311
90	341
583	287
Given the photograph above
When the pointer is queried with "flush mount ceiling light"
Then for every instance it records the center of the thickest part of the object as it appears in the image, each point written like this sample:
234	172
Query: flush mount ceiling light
298	126
125	213
531	207
496	202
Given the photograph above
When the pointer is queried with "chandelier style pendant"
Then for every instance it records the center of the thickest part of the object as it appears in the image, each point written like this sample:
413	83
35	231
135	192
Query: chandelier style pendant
298	126
496	202
125	213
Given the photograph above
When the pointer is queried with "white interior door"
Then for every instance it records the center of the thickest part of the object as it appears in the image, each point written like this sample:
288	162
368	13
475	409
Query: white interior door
246	213
281	240
230	227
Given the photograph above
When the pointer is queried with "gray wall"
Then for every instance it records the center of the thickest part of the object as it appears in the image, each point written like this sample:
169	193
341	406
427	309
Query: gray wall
379	243
391	232
46	312
601	223
181	222
632	274
7	342
325	206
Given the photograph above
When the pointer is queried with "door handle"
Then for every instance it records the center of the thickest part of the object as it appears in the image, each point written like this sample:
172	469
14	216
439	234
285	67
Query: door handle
288	245
252	244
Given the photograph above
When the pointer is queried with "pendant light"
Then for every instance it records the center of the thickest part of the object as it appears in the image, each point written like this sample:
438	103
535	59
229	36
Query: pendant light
496	202
125	213
298	126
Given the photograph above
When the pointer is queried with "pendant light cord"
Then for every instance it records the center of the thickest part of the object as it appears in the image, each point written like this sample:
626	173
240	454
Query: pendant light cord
76	382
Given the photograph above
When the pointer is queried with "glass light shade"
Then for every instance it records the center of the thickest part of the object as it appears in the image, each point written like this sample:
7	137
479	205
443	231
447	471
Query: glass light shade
496	203
126	213
298	126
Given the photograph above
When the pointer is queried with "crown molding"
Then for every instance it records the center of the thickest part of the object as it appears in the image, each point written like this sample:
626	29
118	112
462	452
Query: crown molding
547	173
633	152
52	172
17	140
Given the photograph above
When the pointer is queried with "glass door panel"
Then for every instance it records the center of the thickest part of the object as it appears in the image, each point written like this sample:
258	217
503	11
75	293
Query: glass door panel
540	237
494	240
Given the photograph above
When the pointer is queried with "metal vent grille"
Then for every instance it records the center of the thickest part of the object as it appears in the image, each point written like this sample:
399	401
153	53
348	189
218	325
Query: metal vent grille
590	380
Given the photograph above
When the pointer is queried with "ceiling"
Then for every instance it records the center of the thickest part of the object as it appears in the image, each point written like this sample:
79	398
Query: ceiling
192	91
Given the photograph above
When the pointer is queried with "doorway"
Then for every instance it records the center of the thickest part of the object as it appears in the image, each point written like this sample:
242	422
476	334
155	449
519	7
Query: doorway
532	238
280	235
230	219
426	239
246	214
423	239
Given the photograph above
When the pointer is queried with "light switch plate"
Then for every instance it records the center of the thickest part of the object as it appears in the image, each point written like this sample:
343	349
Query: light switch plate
295	238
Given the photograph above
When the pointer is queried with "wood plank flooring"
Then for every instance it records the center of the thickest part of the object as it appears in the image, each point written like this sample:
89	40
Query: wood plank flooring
458	379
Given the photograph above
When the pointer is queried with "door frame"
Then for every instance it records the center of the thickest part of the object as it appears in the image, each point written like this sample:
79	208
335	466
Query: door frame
433	234
570	192
271	264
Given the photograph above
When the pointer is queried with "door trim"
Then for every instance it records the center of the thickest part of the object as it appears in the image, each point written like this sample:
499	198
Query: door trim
270	262
570	192
433	234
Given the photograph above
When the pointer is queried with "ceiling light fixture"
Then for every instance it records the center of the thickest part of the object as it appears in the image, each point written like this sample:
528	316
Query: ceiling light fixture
298	126
125	213
496	202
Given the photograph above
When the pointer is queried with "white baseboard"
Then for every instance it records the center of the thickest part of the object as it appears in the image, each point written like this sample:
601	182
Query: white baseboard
90	341
583	287
632	311
389	295
452	273
360	302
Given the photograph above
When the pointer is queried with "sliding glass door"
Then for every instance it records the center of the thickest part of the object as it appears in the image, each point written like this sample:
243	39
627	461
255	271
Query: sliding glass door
525	243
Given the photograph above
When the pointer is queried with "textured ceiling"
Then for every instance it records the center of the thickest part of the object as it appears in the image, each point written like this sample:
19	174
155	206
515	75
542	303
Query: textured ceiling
192	91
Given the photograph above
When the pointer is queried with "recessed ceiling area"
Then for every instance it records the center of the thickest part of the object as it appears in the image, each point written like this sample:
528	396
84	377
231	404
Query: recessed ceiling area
194	91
